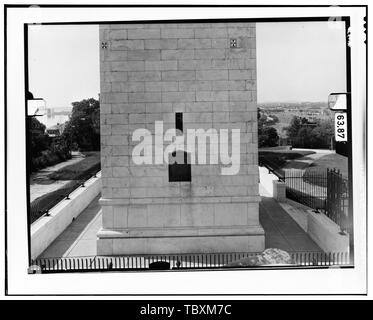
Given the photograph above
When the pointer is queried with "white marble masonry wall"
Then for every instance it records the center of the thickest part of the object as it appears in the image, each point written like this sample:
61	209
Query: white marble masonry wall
148	73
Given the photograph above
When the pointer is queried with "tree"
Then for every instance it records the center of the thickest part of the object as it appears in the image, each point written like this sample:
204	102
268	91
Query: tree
39	139
262	119
294	127
45	151
323	133
83	128
268	137
60	148
272	120
304	138
306	134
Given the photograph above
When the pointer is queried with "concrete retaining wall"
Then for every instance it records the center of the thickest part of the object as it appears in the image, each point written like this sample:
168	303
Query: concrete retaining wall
45	230
297	211
326	233
319	227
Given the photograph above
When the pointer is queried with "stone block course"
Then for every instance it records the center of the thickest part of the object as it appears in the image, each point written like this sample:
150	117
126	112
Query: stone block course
144	33
161	86
133	86
148	55
194	43
117	34
115	76
185	96
212	75
209	53
128	66
161	44
178	75
212	96
161	65
127	44
210	33
144	76
177	33
194	85
177	54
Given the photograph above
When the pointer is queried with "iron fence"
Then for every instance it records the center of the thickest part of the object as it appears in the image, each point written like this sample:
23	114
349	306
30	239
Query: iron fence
42	205
176	262
337	199
325	191
307	188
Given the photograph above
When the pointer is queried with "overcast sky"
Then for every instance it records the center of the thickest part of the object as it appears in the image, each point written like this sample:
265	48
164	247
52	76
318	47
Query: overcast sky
64	63
295	62
300	61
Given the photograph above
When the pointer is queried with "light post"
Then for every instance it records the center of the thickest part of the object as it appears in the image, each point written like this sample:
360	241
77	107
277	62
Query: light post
36	107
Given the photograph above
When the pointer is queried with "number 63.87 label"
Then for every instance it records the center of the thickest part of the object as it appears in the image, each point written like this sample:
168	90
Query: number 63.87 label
340	125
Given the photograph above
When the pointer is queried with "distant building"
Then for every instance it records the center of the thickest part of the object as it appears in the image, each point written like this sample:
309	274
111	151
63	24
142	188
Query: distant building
54	116
56	130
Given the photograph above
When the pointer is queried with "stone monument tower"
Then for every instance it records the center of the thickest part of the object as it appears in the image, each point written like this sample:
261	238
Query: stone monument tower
181	76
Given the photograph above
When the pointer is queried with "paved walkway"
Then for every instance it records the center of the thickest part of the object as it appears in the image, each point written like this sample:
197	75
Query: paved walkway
306	161
282	232
40	184
79	238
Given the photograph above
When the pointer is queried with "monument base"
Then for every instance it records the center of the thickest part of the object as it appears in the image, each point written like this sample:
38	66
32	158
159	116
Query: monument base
178	241
213	226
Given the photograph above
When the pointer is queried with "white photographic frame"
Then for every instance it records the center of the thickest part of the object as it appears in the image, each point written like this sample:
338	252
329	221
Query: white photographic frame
251	282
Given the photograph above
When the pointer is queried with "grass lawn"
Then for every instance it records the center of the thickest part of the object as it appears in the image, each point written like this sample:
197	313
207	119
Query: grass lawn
330	161
280	157
86	167
77	172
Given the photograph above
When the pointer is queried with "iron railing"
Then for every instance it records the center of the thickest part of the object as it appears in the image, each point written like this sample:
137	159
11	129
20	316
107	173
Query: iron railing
307	188
324	191
42	205
177	262
337	199
272	167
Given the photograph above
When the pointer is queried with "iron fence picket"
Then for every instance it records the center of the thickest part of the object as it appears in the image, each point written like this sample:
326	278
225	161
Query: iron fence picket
197	261
324	191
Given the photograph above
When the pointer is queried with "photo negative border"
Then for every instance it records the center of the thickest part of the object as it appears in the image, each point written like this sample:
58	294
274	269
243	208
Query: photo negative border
346	19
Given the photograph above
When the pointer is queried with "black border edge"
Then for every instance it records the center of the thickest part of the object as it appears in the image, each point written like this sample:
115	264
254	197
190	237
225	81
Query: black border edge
27	139
6	6
349	139
5	154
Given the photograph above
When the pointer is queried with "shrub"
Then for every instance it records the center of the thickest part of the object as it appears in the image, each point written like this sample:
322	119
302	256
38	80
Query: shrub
57	152
61	149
